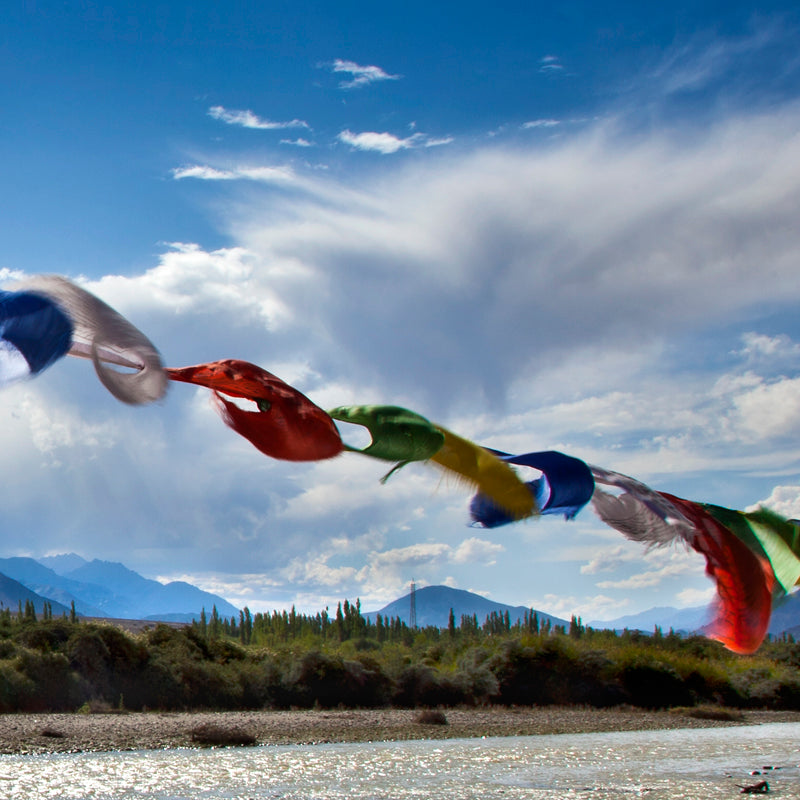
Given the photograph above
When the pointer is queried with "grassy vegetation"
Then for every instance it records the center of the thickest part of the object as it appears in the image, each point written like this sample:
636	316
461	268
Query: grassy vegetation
289	660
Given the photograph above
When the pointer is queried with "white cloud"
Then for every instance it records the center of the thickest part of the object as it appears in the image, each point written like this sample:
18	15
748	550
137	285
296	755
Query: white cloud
203	173
550	64
300	142
283	174
379	142
541	123
770	409
759	346
670	565
247	119
590	607
55	429
477	551
695	64
607	560
361	75
692	597
784	500
387	143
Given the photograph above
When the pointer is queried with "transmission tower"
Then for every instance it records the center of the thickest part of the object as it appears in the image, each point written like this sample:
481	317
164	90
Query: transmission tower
412	617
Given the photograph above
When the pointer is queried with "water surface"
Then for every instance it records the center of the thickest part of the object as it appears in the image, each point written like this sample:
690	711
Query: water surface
658	765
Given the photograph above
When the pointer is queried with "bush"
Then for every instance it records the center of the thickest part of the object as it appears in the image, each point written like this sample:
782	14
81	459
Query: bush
55	686
328	680
218	736
432	716
655	685
16	689
47	636
538	675
477	681
422	685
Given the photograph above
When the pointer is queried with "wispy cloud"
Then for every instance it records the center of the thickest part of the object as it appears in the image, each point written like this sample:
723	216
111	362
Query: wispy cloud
299	142
388	143
204	172
550	65
361	76
759	347
703	61
674	568
541	123
247	119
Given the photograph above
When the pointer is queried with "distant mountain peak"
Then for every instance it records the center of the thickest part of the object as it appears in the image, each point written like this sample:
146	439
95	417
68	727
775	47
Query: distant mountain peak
433	604
63	563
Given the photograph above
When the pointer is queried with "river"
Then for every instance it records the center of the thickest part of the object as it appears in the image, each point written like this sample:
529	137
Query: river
657	765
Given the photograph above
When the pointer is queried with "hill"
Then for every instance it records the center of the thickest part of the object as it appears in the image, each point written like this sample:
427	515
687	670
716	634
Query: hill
13	593
434	604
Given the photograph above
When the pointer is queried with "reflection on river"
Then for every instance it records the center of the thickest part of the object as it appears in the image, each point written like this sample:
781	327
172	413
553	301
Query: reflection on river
674	764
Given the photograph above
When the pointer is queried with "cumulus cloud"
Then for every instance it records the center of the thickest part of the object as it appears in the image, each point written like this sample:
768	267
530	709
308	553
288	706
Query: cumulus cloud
770	409
784	500
360	75
379	575
476	551
247	119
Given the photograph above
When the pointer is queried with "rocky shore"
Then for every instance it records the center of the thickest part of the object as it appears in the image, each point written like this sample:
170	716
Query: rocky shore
97	732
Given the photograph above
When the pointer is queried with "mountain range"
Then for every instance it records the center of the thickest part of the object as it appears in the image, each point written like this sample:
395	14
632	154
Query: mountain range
785	619
102	589
111	590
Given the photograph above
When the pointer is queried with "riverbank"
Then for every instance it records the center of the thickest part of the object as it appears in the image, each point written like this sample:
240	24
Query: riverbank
99	732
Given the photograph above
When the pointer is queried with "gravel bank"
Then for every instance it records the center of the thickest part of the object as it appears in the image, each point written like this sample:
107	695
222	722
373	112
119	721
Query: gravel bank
58	733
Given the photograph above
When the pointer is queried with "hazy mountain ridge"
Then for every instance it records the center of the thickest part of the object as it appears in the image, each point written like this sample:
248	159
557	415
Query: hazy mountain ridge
12	593
109	589
681	620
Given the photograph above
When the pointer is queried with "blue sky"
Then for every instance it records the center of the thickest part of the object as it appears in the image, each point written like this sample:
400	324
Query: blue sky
568	227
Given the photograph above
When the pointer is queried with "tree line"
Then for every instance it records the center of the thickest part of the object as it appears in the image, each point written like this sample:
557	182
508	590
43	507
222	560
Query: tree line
348	623
287	659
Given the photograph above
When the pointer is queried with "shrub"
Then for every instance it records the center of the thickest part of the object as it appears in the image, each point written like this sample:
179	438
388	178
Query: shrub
47	636
15	688
218	736
432	716
55	686
422	685
711	712
654	685
328	680
537	675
